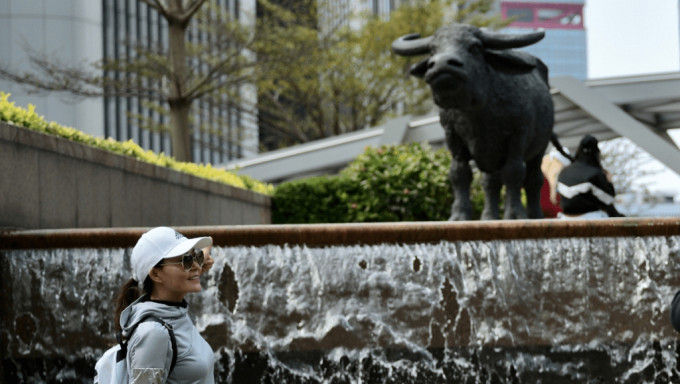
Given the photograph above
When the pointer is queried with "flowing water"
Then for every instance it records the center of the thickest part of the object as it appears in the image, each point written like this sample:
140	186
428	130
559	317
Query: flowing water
517	311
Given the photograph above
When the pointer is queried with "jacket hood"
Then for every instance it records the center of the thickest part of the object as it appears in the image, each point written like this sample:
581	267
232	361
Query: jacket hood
143	307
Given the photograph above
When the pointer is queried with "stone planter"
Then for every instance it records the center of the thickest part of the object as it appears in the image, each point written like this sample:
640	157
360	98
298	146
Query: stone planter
50	182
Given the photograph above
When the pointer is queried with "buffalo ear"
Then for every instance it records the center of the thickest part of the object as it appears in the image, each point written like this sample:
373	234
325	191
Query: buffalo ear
418	70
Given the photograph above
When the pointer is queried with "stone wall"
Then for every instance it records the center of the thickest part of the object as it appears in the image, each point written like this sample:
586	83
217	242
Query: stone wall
50	182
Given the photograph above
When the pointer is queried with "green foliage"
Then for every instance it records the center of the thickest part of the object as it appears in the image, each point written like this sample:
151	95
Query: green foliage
28	118
478	12
322	199
315	83
477	196
400	183
390	183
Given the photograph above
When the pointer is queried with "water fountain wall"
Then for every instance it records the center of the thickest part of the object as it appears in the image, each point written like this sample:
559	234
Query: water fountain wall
494	302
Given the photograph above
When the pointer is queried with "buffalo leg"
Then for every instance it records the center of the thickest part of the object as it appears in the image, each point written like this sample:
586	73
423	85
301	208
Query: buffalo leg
513	177
492	184
532	187
460	175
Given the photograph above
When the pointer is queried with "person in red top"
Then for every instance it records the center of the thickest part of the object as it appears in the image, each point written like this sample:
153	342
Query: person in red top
551	166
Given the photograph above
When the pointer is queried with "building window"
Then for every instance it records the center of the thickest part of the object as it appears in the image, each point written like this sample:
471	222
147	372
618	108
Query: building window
217	122
520	15
543	15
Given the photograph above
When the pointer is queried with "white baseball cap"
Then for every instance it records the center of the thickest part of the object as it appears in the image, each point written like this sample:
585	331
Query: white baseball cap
158	244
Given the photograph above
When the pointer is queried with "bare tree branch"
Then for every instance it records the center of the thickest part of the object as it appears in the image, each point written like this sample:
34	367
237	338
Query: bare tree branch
157	5
192	9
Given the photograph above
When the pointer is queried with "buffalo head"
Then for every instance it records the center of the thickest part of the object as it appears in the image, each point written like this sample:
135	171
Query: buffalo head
459	55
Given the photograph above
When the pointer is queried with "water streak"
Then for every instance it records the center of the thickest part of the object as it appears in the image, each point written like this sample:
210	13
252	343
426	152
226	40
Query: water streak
544	310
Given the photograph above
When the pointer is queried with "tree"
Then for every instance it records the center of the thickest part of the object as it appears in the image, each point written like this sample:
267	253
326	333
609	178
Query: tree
172	76
328	78
316	77
628	165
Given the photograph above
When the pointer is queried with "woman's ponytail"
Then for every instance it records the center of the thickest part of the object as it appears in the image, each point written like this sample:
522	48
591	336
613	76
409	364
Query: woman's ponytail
128	293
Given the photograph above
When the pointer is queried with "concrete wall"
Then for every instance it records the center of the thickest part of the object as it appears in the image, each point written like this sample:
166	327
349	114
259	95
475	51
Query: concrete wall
50	182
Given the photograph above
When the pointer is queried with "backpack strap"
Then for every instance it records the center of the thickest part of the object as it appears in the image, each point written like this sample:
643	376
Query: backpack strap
122	352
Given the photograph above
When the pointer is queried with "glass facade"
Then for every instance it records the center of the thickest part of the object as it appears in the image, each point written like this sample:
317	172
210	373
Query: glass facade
218	130
563	49
543	15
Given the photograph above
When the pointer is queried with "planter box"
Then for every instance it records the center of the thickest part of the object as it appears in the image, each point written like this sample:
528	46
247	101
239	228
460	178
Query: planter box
50	182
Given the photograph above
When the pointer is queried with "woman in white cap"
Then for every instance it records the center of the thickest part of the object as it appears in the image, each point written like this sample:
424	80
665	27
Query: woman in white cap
163	345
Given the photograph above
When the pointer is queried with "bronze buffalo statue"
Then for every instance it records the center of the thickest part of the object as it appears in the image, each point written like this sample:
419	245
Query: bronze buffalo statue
495	108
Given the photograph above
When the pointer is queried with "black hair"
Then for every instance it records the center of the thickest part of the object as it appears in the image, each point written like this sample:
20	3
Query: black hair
130	292
588	152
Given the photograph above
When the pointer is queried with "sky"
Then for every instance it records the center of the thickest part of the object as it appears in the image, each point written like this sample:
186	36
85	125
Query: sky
633	37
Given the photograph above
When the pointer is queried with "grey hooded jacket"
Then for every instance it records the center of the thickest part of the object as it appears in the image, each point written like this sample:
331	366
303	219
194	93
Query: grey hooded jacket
149	353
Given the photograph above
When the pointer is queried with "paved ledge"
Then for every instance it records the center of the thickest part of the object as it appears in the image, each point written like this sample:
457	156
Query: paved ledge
319	235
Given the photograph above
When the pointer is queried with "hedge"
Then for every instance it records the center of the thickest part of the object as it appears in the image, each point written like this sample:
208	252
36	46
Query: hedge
389	183
321	199
28	118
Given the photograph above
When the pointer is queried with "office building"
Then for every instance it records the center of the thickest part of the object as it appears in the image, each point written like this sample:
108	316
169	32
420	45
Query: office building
77	33
563	49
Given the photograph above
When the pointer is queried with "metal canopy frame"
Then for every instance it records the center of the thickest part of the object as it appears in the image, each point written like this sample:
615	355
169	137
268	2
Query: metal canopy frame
641	108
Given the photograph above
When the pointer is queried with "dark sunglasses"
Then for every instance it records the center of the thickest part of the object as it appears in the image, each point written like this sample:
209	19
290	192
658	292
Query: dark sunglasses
188	259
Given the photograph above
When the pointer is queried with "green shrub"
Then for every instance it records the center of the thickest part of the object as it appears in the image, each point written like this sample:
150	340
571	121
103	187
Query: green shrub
390	183
322	199
28	118
400	183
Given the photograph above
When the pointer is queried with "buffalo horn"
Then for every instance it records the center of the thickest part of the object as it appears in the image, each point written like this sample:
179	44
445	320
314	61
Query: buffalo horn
493	40
411	45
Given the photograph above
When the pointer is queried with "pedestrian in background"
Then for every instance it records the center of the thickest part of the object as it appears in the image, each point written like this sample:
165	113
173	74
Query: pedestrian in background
585	188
